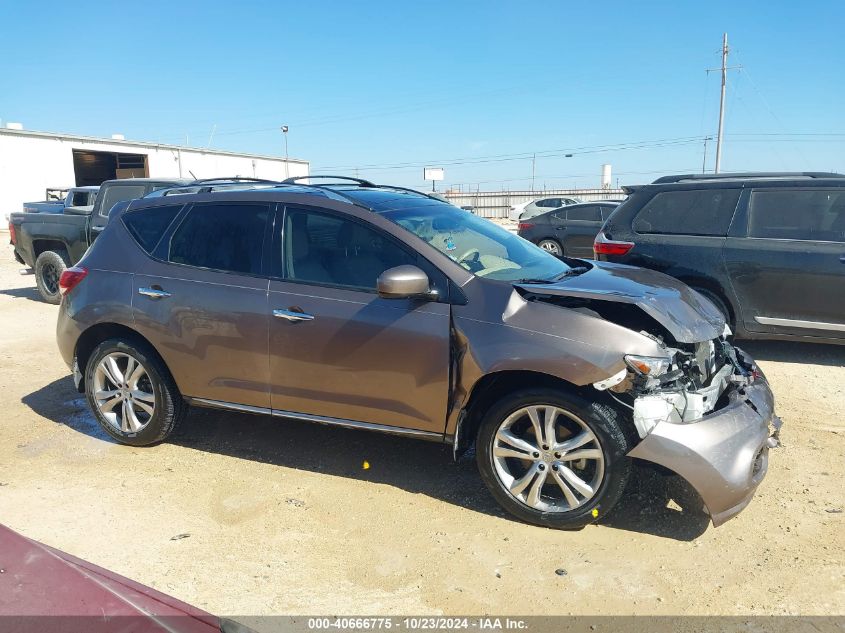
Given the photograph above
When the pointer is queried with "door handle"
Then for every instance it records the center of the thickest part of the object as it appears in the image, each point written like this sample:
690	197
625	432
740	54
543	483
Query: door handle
292	316
153	293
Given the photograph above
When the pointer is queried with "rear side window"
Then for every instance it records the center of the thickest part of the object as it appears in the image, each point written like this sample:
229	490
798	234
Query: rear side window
590	214
119	193
148	225
226	237
817	215
696	212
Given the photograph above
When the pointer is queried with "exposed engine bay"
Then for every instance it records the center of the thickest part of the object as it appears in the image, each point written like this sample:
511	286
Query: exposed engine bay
686	384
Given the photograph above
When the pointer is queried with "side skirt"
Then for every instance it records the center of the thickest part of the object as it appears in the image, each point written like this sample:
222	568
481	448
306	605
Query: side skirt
307	417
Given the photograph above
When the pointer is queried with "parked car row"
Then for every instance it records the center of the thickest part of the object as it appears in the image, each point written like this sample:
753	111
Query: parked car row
376	307
526	210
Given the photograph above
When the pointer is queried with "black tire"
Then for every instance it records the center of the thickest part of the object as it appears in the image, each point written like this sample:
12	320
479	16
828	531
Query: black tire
169	409
718	302
615	439
49	266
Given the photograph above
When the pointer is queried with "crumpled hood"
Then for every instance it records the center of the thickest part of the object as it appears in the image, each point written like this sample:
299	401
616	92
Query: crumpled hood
686	314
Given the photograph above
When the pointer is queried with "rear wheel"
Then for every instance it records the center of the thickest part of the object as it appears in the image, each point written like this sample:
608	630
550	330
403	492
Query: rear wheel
553	458
49	267
552	246
131	393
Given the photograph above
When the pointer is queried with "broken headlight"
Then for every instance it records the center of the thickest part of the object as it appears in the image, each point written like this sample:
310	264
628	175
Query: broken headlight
648	365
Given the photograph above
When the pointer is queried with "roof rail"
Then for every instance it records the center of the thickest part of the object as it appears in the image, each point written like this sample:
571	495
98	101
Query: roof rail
295	180
235	179
750	175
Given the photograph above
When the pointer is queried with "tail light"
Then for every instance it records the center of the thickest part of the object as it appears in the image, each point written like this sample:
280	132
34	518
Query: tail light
524	225
71	277
605	246
12	236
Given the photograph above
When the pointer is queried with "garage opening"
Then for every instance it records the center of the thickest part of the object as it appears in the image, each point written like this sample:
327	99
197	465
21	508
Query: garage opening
92	168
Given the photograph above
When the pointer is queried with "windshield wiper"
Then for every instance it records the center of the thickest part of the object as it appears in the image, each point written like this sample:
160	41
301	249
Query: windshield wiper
569	273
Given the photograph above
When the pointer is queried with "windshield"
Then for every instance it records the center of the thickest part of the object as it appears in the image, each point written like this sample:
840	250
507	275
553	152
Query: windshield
482	247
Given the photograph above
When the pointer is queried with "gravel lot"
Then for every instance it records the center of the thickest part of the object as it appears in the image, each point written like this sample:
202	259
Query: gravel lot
281	517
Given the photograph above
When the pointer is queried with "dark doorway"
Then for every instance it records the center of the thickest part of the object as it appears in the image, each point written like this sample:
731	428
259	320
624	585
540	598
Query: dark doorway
92	168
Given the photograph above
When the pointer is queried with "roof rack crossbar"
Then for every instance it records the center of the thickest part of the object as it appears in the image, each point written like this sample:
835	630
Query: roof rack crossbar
295	180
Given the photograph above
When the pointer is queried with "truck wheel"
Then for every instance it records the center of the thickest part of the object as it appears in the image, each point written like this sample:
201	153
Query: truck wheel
553	458
131	393
48	268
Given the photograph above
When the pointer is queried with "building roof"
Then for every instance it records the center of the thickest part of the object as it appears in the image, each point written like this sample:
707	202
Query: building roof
144	144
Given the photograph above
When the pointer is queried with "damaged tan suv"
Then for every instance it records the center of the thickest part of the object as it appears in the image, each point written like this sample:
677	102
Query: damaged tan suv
381	308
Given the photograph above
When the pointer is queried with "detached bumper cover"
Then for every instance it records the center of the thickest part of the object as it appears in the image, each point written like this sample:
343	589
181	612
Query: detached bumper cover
724	455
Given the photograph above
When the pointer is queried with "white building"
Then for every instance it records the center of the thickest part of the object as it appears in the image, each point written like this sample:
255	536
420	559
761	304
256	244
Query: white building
30	162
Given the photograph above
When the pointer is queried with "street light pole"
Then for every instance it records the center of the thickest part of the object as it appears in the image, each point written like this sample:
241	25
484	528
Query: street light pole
285	132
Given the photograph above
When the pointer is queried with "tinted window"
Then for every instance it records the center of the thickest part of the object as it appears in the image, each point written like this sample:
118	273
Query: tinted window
327	249
701	212
592	214
118	193
148	225
549	203
606	210
81	198
225	237
798	215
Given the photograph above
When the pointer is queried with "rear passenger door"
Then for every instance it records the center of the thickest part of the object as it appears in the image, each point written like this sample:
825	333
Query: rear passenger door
202	301
582	225
338	351
787	261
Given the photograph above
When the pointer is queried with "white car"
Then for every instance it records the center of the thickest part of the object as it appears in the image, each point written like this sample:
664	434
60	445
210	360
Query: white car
526	210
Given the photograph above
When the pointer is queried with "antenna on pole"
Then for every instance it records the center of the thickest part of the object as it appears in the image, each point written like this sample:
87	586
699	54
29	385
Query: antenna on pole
722	103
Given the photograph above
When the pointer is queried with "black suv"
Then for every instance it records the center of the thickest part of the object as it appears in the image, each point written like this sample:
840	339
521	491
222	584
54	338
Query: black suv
767	248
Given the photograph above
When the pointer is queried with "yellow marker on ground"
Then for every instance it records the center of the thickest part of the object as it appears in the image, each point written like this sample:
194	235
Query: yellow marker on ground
366	465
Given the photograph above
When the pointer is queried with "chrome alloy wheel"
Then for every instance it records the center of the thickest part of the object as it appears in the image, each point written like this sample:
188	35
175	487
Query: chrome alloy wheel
551	246
548	458
123	392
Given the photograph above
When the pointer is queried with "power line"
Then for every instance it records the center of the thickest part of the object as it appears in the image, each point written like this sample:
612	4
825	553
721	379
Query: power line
525	155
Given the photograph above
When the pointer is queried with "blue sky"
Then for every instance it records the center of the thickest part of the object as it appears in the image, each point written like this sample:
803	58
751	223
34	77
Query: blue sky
385	87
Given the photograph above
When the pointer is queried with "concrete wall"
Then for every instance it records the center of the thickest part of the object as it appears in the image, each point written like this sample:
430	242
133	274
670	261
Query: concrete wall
31	162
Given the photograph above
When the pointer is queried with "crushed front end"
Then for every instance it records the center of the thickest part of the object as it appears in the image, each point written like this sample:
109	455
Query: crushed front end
704	411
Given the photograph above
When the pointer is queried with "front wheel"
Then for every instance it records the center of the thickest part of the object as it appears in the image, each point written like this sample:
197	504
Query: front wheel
131	393
551	246
49	267
553	458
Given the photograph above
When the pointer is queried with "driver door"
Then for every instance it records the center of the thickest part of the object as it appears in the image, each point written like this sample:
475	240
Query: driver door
339	353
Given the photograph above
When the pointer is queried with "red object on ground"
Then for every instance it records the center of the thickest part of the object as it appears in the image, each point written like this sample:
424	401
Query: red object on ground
43	589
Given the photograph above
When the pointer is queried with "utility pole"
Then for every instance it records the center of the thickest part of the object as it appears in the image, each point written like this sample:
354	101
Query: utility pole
722	102
704	159
533	161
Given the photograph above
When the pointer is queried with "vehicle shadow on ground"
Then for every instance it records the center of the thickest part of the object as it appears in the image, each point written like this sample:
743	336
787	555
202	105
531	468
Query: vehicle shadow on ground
30	293
412	465
795	352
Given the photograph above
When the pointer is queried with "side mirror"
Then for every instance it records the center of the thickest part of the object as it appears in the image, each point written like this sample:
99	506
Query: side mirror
403	282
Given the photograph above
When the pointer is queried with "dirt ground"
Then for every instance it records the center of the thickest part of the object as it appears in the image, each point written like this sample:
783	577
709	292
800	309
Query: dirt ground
282	518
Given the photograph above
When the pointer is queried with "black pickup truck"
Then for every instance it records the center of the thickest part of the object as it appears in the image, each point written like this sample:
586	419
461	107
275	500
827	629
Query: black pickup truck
49	243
